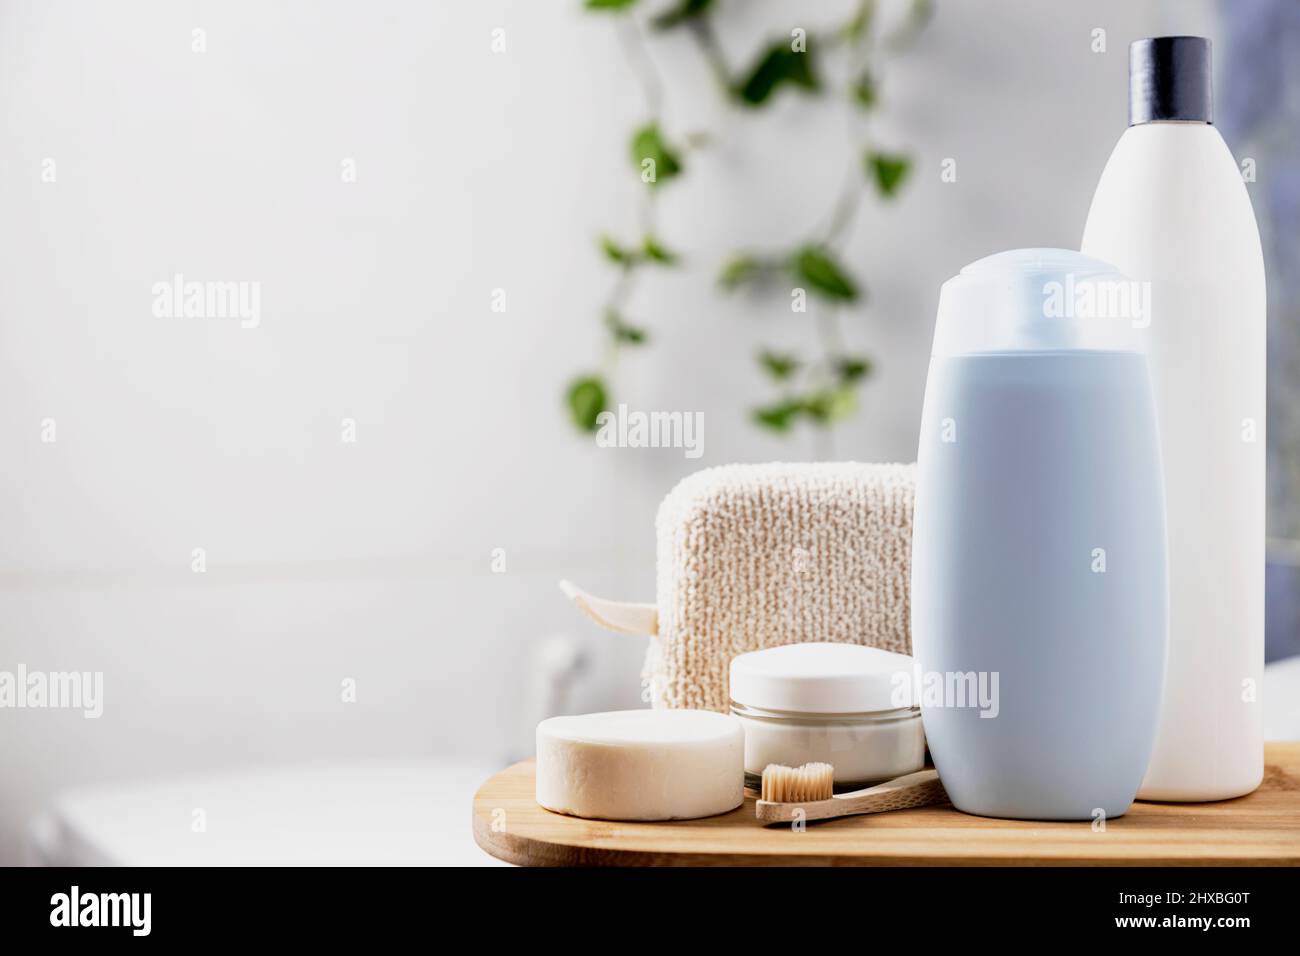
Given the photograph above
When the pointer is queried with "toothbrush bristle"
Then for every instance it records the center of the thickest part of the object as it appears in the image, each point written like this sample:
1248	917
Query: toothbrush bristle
812	781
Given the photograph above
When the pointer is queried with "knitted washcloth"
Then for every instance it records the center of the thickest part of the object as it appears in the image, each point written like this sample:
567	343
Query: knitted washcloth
754	556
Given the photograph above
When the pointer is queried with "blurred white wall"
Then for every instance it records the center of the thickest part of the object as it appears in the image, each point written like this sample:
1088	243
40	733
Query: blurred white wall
474	171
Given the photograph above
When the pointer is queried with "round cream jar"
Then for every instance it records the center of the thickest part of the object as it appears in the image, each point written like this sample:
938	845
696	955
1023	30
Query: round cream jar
842	704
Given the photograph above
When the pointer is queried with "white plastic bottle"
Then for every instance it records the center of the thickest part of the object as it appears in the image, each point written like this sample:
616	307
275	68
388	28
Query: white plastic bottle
1172	209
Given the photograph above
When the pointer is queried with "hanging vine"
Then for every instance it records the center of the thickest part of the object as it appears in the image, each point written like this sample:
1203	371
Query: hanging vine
821	390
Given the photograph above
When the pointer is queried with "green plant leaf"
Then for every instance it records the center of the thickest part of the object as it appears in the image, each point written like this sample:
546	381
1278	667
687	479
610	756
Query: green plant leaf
815	266
852	368
648	144
614	252
656	252
830	405
889	170
778	417
609	5
586	399
864	90
685	10
623	331
856	28
778	65
738	270
778	365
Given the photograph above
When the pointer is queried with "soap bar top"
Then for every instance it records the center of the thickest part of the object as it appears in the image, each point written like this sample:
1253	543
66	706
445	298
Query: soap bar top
651	727
641	764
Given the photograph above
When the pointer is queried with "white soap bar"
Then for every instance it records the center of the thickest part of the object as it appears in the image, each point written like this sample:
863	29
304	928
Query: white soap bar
641	764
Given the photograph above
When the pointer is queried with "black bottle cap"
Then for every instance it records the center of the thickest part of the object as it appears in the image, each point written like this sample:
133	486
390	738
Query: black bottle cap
1169	79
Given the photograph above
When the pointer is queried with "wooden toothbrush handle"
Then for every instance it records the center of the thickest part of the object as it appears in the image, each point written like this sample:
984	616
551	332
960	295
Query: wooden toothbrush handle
920	789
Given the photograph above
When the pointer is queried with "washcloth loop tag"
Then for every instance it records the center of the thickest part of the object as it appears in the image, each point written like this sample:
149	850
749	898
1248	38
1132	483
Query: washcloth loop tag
624	617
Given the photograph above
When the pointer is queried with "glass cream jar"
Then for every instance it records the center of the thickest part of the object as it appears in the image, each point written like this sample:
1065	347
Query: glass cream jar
842	704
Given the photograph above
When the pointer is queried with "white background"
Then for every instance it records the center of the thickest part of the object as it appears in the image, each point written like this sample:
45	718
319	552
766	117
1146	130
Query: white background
475	171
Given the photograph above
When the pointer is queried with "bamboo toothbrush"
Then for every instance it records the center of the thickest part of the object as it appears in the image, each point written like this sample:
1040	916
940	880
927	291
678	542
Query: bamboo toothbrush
807	793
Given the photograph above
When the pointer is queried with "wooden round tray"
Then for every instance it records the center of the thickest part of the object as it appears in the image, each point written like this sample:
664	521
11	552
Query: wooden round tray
1262	828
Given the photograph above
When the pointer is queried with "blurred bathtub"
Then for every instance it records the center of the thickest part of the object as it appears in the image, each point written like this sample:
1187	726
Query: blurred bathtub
1281	692
1282	700
413	814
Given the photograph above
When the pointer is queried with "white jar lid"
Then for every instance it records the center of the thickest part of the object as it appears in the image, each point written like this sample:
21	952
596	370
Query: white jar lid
822	678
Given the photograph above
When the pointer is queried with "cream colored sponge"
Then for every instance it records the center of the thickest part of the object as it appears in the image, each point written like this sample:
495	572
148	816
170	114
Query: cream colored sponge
641	764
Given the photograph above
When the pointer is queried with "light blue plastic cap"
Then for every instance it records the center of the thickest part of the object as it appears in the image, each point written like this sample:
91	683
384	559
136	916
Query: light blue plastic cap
1040	300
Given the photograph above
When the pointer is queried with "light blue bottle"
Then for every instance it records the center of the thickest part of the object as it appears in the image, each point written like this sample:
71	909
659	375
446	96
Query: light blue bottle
1039	588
